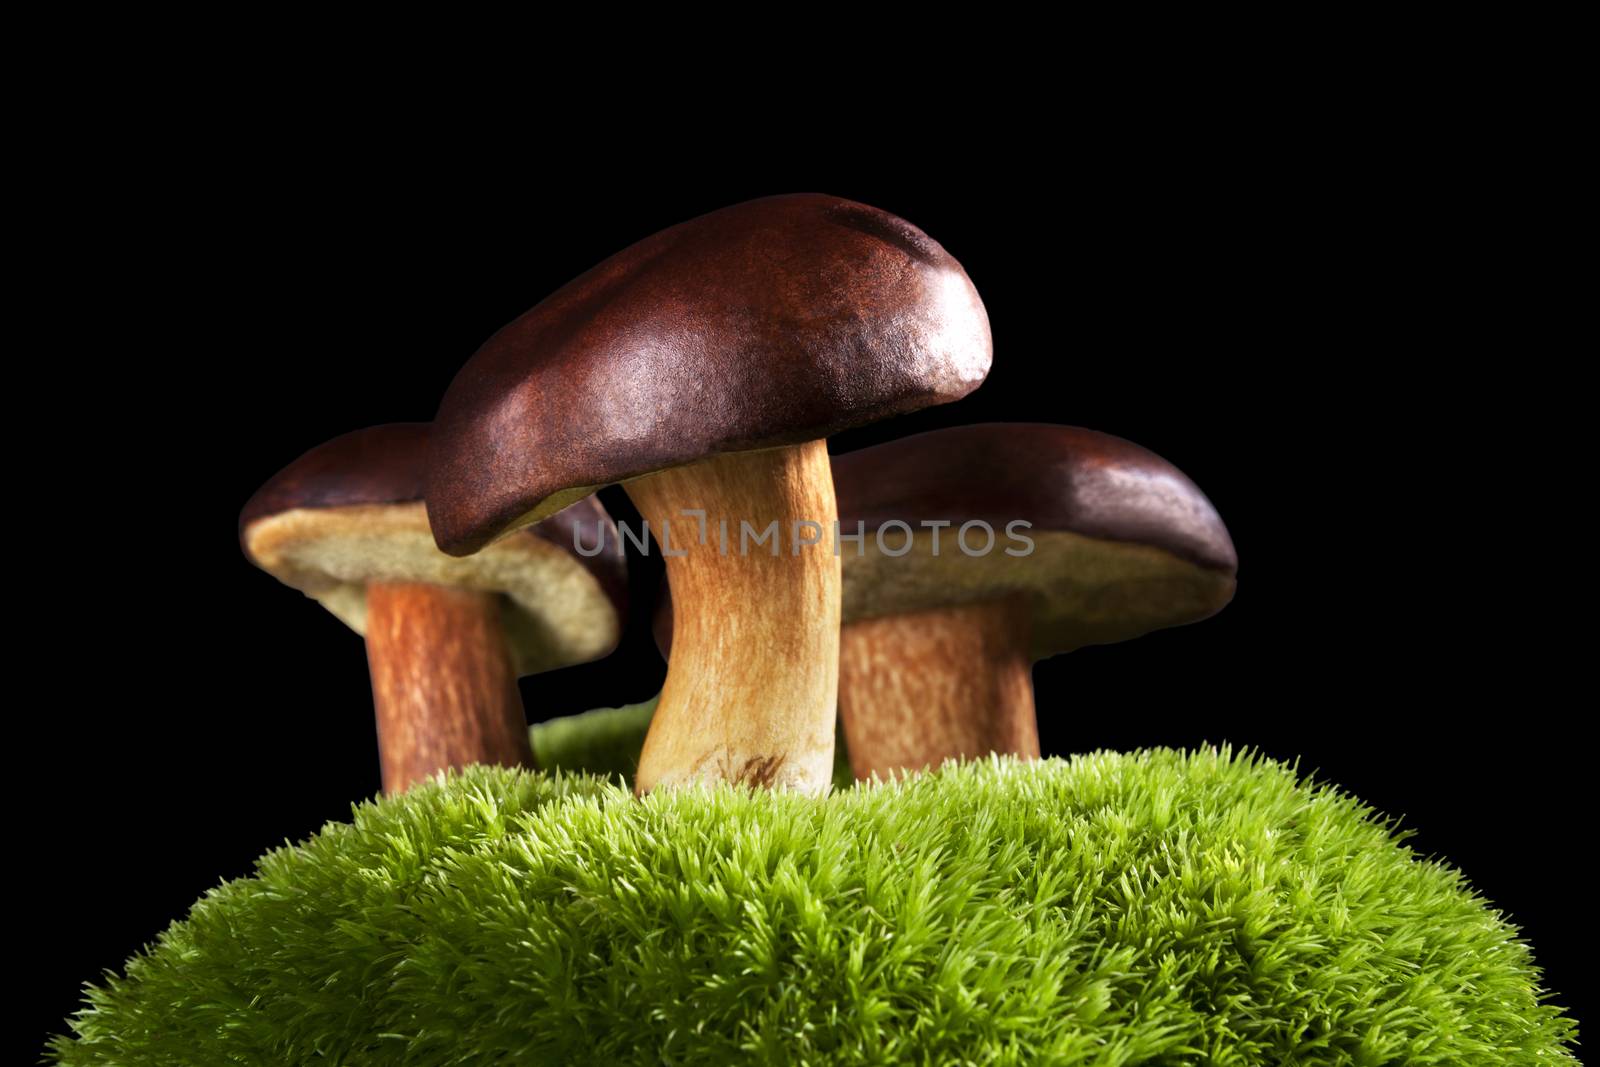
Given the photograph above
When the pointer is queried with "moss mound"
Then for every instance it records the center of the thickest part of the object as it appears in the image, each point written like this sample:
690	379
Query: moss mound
1154	908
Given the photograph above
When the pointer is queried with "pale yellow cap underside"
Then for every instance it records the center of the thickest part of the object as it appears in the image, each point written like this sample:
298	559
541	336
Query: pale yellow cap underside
1083	590
556	613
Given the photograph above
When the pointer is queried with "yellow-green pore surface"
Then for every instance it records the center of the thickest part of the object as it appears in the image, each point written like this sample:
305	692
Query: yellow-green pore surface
1160	907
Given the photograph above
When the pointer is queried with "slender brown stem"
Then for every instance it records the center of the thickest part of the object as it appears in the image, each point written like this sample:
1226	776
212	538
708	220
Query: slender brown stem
753	679
951	683
442	682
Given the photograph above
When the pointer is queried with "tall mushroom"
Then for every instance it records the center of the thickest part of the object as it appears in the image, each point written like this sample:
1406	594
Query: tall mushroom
446	638
703	368
937	650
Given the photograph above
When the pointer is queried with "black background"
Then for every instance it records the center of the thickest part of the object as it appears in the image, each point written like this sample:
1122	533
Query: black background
1261	313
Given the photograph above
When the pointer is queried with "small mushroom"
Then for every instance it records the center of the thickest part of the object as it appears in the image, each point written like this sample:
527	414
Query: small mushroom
446	638
937	651
703	368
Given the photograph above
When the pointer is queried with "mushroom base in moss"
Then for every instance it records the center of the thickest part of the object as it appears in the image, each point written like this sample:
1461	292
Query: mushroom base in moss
950	683
607	742
1158	907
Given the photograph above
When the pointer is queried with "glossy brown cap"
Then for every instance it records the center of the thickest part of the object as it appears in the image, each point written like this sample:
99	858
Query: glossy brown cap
378	465
350	512
1123	542
770	323
1056	477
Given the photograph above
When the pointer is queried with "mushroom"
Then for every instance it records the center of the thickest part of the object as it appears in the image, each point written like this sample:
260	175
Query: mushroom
446	638
937	651
703	368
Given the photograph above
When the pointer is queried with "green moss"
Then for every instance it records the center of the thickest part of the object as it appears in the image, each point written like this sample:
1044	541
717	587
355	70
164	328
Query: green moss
607	742
1155	908
604	742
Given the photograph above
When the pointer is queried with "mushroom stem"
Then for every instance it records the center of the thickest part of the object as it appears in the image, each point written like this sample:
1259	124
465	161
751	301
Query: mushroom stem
753	679
442	682
952	683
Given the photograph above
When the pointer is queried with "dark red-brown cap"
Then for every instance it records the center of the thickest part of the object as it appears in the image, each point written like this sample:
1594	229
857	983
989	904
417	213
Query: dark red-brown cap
1118	541
770	323
350	512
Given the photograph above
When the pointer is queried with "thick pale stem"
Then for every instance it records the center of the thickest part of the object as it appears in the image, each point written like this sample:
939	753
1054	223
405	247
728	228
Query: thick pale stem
442	682
951	683
753	679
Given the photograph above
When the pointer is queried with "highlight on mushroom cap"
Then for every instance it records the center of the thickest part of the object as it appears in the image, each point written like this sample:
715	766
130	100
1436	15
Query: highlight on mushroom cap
769	323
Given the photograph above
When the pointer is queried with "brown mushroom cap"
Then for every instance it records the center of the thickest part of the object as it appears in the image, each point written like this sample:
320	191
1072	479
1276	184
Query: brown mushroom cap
1124	543
769	323
350	512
